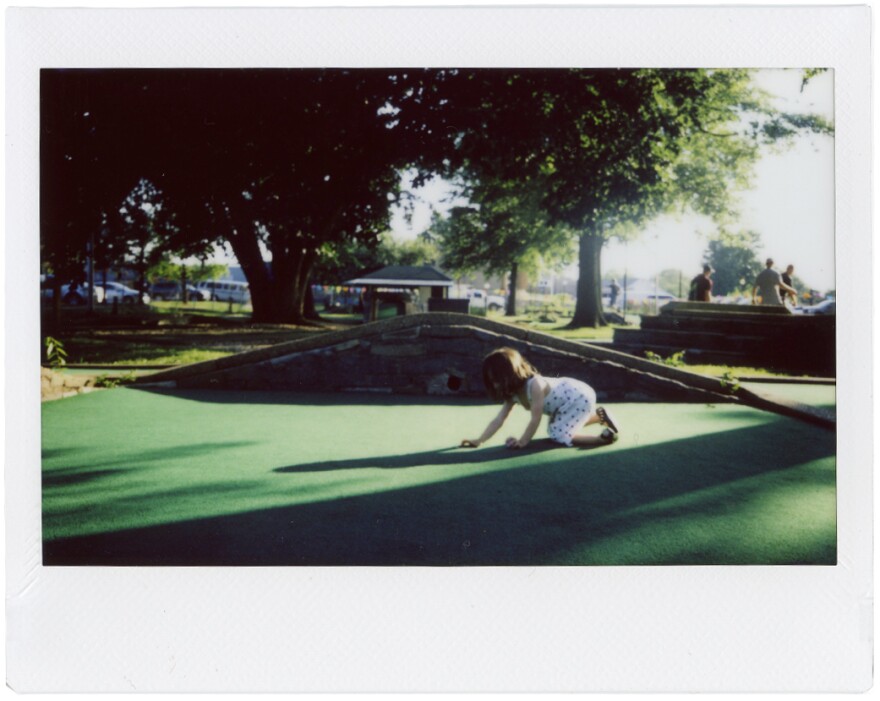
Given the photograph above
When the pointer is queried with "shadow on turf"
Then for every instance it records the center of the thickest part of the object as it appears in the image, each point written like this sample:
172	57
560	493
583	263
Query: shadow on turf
445	456
68	478
556	511
219	396
72	474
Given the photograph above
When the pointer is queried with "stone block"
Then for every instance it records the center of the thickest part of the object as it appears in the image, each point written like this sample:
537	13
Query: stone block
398	350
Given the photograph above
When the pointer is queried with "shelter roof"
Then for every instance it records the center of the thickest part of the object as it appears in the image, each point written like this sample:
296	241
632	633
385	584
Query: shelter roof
404	276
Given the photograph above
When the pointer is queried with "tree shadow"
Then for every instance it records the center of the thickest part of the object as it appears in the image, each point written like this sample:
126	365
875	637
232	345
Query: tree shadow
57	475
444	456
543	508
69	478
293	398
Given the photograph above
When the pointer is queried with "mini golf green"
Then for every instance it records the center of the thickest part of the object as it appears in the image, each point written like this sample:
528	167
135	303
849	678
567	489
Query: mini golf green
141	477
816	395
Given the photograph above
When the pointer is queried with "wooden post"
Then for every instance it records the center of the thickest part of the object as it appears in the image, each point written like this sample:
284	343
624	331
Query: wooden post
374	304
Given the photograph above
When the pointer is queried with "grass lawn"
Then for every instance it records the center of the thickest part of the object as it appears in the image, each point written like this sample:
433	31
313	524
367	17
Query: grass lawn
138	477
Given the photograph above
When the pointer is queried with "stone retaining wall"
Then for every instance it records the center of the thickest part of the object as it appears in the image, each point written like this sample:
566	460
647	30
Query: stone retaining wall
58	385
436	354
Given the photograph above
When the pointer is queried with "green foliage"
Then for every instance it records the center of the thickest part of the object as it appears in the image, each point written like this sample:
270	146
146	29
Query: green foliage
337	263
206	271
310	160
165	269
419	251
146	225
674	281
675	360
734	258
729	382
109	382
56	356
605	151
504	226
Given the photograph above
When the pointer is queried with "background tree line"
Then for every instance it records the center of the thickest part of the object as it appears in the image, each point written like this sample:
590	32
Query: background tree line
302	166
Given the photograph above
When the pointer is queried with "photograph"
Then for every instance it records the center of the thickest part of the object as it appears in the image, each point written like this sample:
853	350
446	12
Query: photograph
439	349
281	310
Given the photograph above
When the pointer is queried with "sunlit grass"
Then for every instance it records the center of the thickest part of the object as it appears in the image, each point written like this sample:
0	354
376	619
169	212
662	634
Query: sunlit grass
177	307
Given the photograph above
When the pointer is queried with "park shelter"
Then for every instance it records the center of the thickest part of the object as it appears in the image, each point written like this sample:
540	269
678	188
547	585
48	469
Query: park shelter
424	280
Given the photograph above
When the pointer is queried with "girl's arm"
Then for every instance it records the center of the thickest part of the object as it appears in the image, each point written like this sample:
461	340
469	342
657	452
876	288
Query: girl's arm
493	426
537	401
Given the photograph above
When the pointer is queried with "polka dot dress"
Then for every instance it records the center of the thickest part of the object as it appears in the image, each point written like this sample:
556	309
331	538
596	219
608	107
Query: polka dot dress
568	404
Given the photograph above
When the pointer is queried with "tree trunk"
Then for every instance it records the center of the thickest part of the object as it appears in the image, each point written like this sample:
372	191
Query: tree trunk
247	251
56	304
278	296
511	297
309	310
588	308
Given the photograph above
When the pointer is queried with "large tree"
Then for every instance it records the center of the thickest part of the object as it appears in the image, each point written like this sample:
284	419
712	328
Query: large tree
502	230
276	163
609	149
734	257
283	163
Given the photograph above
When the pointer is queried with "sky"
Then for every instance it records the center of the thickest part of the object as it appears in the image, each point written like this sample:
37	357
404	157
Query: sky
790	203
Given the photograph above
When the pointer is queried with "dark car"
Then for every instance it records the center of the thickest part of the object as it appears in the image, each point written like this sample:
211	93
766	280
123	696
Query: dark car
164	290
172	290
829	306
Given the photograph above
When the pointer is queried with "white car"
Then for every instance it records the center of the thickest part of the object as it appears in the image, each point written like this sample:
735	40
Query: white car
480	299
226	291
117	292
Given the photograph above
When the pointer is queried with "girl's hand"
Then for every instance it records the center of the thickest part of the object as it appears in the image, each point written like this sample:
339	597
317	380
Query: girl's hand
515	443
467	443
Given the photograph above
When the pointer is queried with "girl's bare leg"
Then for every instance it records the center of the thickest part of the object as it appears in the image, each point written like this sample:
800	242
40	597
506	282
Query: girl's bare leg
593	419
583	441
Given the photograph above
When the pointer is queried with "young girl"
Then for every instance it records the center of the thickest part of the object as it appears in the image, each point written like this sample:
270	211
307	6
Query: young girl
570	403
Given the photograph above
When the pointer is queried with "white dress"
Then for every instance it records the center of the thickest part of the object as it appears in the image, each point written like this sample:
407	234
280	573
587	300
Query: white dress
569	404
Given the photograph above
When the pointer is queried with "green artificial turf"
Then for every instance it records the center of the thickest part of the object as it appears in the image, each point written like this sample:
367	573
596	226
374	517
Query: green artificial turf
817	395
138	477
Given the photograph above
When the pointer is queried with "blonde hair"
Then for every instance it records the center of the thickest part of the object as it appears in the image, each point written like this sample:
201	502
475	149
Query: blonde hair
504	373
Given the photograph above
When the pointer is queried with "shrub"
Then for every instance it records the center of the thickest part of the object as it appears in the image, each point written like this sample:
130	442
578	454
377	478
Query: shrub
56	356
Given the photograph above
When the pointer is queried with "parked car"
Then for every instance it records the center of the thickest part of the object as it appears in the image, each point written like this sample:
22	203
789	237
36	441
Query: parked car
172	290
480	299
829	306
226	291
197	295
73	293
165	290
117	292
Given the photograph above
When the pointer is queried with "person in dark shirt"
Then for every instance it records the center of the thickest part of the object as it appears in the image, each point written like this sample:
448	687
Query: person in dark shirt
615	291
786	278
701	286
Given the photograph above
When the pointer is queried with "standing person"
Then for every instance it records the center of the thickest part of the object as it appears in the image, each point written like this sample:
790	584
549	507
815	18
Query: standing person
570	403
615	290
701	286
786	278
769	283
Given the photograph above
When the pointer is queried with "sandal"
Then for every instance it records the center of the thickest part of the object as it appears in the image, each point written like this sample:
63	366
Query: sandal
605	419
608	436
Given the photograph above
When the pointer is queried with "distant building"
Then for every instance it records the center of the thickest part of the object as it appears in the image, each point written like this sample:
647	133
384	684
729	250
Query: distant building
418	282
